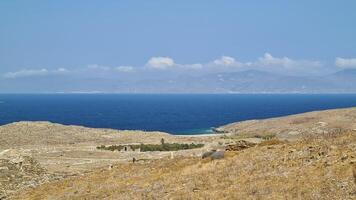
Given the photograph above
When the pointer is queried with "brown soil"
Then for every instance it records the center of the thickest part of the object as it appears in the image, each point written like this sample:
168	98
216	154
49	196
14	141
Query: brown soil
296	126
306	156
317	168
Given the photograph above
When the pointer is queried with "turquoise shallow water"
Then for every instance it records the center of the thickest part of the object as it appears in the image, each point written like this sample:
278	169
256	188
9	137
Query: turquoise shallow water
177	114
197	131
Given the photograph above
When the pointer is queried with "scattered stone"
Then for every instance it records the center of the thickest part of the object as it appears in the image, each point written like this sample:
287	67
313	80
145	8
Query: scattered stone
208	154
322	123
218	155
240	145
292	150
213	154
20	172
344	157
294	133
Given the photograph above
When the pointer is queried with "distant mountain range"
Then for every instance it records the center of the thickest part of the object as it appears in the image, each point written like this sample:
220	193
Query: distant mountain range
253	81
250	81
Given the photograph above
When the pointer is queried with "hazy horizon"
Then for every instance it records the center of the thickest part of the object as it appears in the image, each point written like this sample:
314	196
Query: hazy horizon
177	47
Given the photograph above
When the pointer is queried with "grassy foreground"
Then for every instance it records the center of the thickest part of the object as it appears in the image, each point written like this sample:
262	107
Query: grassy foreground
312	168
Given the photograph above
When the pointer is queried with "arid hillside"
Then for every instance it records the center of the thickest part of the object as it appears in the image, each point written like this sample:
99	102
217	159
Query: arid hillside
305	156
296	126
313	168
46	133
57	151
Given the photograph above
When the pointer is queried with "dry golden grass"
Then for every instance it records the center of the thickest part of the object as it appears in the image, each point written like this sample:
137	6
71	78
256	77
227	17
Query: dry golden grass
271	142
317	168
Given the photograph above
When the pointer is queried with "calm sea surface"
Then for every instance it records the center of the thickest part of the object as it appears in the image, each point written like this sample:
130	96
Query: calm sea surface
177	114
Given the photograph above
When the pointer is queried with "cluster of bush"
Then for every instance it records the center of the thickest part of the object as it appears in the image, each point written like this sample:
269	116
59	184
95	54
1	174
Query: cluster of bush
111	147
152	147
266	137
169	147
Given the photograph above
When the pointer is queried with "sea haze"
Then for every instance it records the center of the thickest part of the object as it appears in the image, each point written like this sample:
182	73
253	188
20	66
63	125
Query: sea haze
173	113
247	81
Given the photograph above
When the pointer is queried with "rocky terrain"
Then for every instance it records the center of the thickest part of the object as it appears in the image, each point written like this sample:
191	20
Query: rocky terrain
317	168
56	151
296	126
305	156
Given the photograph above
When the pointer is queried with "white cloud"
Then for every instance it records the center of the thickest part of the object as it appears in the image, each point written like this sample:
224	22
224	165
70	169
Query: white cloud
108	68
160	63
26	72
269	60
99	67
62	70
225	61
124	68
345	62
34	72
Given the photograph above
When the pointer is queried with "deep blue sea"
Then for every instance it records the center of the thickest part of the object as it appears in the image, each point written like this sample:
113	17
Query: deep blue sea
173	113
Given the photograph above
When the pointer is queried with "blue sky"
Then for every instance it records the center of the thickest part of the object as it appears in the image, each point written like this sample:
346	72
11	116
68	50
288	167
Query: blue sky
87	38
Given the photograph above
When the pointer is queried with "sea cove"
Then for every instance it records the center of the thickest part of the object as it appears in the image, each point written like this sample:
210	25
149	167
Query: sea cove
172	113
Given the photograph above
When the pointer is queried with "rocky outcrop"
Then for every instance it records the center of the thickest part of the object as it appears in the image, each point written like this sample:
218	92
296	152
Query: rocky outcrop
18	173
214	155
240	145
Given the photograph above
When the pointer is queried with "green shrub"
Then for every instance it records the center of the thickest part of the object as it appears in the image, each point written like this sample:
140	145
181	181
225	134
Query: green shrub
153	147
266	137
